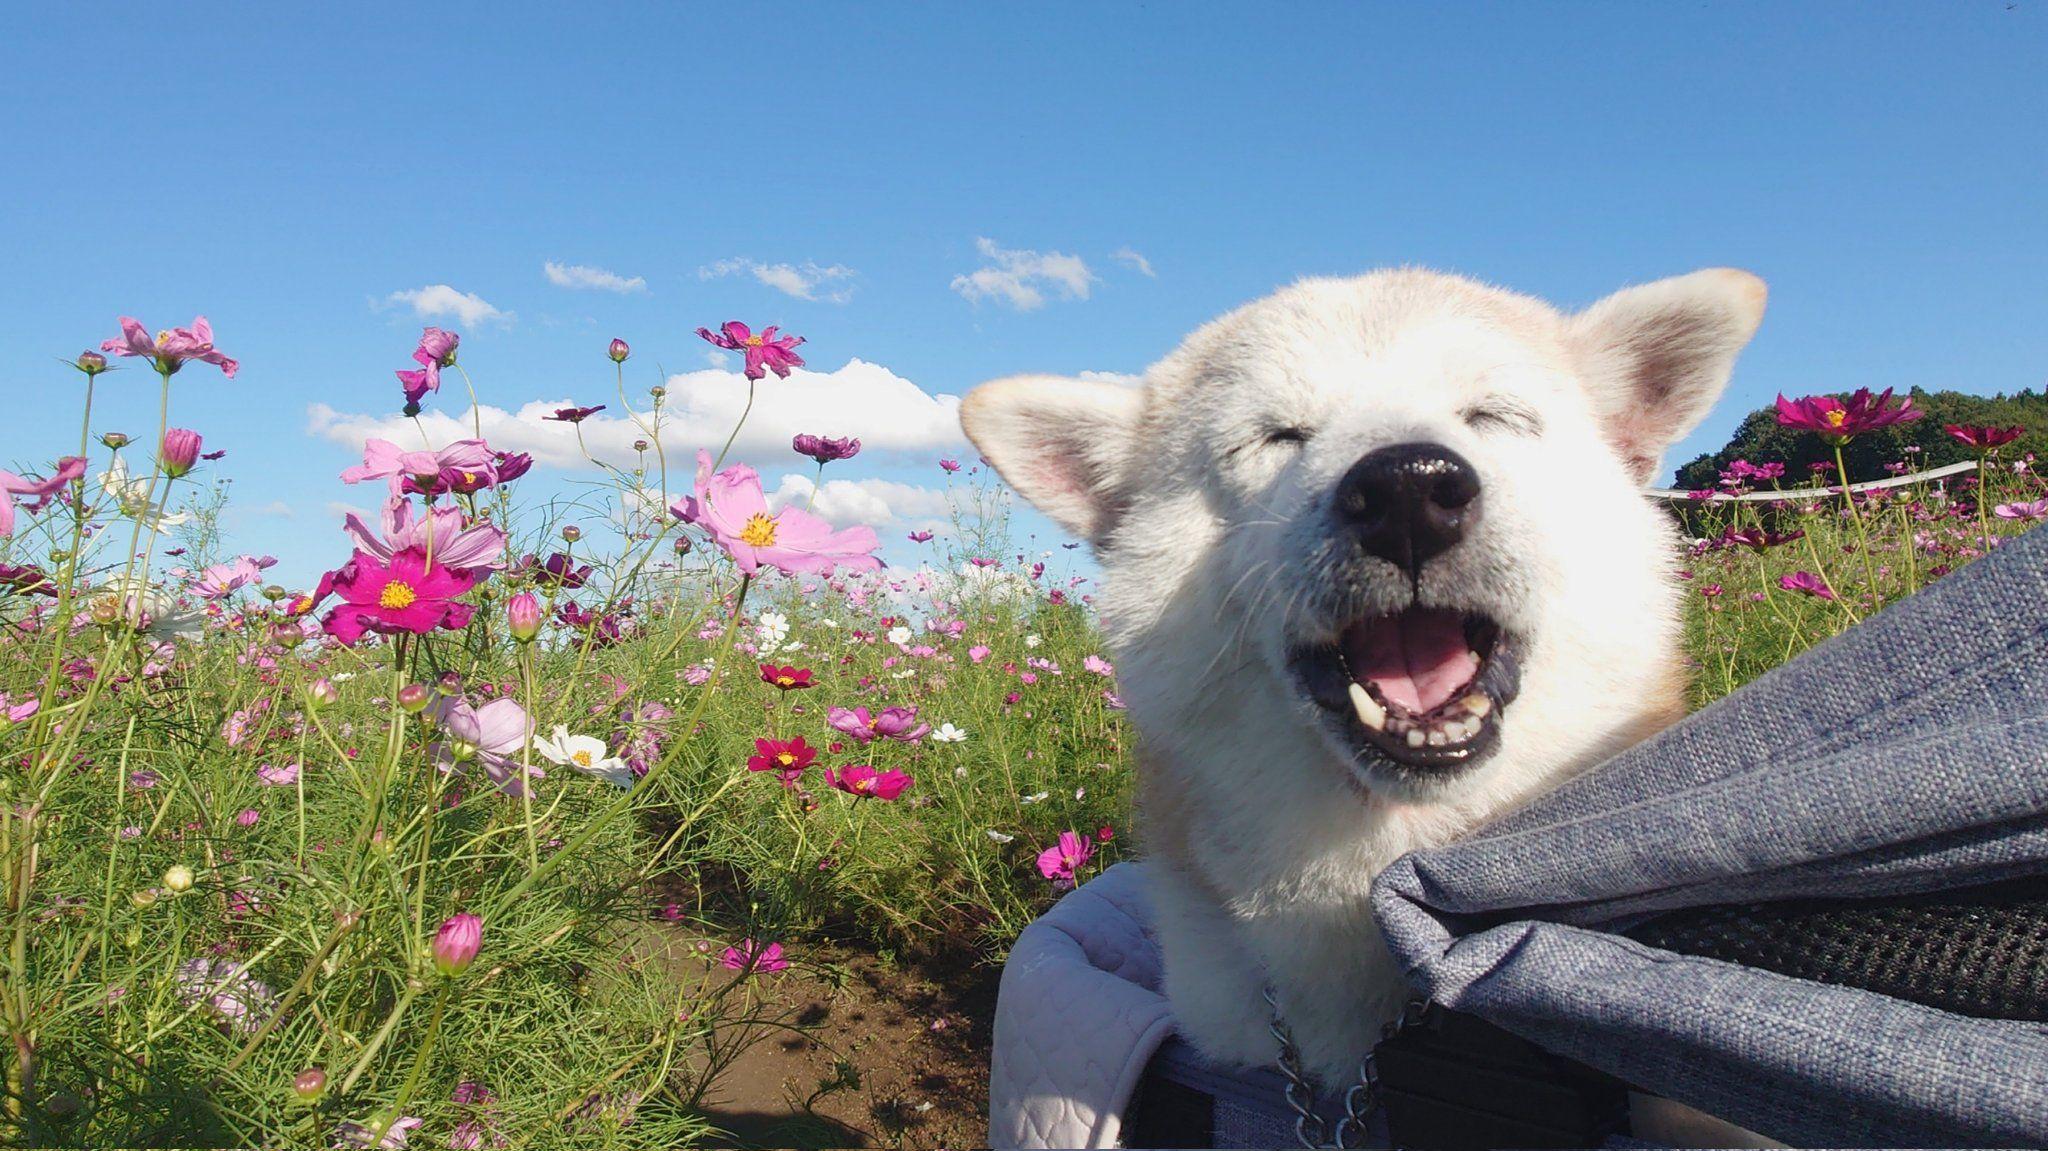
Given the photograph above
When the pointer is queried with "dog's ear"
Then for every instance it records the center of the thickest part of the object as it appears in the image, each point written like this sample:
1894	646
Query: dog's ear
1061	443
1655	357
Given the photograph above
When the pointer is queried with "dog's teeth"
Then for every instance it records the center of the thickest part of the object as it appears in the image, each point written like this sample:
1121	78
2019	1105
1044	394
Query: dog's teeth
1478	704
1437	738
1415	737
1370	713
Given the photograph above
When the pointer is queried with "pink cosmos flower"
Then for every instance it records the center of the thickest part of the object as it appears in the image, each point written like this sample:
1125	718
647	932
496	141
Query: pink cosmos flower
1063	861
920	537
383	459
474	548
949	466
223	579
1098	665
69	468
755	956
765	353
401	594
977	653
574	415
436	351
12	712
1806	583
493	736
170	349
864	782
278	775
731	506
2034	510
897	723
1837	422
786	758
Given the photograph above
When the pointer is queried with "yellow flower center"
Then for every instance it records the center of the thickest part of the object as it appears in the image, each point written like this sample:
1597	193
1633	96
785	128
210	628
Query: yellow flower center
396	595
582	758
753	341
759	532
785	680
785	759
1836	417
163	337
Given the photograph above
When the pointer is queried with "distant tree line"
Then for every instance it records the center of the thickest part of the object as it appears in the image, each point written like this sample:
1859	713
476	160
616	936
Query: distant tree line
1761	440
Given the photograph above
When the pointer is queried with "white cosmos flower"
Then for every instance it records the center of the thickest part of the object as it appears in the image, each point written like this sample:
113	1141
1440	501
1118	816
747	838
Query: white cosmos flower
1032	641
947	733
999	837
899	635
163	617
1037	797
772	627
134	496
586	754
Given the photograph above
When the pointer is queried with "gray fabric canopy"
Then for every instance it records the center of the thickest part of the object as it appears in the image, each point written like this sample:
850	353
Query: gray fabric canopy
1908	755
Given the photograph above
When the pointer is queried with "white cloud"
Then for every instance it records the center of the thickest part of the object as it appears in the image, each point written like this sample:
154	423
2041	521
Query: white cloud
1131	257
277	508
338	510
875	502
1121	379
583	276
438	301
806	281
1020	277
887	412
718	359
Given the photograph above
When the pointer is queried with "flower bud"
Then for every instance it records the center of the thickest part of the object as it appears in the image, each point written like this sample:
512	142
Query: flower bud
450	684
274	592
413	697
143	898
522	616
657	391
682	545
310	1085
619	351
177	879
180	451
323	692
572	533
639	445
457	943
91	363
115	440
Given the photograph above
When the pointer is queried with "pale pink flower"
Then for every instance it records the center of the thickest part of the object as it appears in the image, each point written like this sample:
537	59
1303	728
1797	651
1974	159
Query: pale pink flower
170	349
731	506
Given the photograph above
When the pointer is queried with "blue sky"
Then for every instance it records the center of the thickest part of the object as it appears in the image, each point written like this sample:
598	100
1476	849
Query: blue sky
287	172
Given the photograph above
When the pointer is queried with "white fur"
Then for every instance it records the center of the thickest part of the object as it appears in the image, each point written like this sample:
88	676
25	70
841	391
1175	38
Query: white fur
1218	553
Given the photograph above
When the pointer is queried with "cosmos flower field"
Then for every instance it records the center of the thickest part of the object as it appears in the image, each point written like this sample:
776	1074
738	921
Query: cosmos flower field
507	830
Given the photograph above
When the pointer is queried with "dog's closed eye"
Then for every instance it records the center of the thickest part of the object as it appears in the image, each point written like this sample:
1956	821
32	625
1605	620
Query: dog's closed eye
1290	436
1500	414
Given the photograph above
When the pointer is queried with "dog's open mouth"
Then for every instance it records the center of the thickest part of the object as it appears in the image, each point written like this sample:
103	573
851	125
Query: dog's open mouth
1424	686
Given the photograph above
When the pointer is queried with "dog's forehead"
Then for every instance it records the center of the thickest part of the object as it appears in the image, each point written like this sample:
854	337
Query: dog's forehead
1415	337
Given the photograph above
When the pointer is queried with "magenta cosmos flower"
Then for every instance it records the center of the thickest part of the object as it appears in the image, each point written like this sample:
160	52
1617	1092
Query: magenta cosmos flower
1805	583
864	782
731	506
436	351
40	491
1984	439
170	349
897	723
404	594
765	353
180	451
1063	861
824	450
1838	422
755	956
574	415
2031	510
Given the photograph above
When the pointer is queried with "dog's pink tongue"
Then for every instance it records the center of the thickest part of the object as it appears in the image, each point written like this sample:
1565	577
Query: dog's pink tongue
1416	659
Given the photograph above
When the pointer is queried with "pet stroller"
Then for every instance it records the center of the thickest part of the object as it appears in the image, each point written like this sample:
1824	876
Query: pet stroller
1816	910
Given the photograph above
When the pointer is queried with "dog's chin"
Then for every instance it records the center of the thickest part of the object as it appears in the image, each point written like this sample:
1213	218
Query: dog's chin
1413	701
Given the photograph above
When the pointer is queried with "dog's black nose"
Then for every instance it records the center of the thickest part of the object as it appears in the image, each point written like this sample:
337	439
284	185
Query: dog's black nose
1409	502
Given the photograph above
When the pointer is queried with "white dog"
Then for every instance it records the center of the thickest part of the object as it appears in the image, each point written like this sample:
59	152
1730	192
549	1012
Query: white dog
1377	567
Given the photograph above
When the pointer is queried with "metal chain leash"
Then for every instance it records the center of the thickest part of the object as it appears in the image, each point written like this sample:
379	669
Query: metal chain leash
1311	1130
